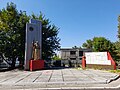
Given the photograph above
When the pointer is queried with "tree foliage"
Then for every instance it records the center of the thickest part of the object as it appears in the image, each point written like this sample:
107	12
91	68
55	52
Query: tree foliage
12	33
101	44
55	57
118	28
88	44
117	43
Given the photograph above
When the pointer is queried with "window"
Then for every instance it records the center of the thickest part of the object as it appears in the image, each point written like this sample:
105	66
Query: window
80	53
72	58
80	58
72	52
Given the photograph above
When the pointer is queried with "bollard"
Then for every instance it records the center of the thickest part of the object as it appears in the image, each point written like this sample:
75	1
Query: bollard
83	62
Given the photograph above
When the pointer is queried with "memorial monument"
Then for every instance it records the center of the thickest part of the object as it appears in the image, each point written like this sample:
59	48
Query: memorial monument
102	60
33	44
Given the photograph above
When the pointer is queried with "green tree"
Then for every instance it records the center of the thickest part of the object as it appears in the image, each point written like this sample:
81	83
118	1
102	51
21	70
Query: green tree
101	44
117	43
55	57
12	34
88	44
118	28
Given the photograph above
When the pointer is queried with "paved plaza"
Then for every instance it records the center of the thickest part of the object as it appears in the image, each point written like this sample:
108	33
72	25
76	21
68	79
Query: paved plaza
57	78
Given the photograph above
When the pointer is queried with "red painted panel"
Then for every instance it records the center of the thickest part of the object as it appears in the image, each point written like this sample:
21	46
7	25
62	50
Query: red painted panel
83	62
36	64
112	61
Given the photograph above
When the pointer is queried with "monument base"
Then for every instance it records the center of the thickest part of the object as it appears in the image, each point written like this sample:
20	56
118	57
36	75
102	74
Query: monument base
36	65
100	67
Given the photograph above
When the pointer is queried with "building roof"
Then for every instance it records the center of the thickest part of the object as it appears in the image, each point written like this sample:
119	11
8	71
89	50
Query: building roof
69	49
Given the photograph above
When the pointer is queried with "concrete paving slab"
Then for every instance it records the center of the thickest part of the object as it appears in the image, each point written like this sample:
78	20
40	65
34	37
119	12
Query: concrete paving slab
60	78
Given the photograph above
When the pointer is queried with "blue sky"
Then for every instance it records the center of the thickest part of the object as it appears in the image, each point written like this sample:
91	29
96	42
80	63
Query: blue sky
78	20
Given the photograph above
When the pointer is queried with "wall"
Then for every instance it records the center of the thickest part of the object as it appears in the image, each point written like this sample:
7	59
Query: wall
97	58
100	60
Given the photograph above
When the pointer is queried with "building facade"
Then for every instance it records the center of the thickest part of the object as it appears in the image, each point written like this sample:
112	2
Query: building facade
73	54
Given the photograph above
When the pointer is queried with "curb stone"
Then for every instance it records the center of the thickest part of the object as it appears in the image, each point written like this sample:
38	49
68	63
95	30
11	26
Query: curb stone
112	79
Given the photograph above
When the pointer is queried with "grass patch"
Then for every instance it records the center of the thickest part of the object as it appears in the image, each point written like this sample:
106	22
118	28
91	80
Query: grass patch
79	68
115	71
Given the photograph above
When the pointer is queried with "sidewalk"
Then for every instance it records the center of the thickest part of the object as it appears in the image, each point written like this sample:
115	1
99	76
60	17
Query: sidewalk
58	78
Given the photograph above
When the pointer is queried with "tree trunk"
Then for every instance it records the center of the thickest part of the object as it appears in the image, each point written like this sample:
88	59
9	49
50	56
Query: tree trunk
21	64
13	63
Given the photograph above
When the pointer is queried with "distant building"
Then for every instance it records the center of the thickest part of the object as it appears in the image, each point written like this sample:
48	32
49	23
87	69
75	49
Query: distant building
72	53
